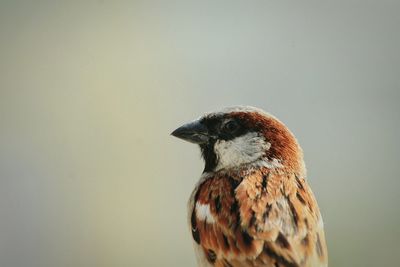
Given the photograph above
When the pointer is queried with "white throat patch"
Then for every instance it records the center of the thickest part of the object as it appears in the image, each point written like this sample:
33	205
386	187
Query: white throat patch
240	150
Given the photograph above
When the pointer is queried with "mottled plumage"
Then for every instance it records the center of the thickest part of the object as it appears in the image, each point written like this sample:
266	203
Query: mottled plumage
252	205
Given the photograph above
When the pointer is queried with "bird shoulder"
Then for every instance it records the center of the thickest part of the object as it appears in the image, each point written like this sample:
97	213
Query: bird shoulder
257	217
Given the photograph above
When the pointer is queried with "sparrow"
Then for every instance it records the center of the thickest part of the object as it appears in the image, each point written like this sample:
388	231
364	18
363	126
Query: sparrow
252	205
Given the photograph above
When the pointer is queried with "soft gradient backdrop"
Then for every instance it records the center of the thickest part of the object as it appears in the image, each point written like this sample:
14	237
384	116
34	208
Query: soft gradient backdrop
90	91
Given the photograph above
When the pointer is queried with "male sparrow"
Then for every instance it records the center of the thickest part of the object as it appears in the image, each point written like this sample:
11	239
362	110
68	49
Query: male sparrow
252	205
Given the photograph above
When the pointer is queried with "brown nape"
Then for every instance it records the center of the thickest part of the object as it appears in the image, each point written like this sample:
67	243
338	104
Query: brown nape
284	146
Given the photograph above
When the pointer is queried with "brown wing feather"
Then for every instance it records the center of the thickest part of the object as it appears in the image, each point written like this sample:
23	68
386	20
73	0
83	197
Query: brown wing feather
262	218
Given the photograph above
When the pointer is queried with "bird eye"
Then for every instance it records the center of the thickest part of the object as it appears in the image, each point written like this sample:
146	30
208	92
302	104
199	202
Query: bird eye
231	126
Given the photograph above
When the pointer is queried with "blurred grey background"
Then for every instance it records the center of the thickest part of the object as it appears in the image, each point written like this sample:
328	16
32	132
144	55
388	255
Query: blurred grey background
90	90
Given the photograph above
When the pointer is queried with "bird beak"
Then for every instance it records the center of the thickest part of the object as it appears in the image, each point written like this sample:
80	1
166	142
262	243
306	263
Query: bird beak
193	132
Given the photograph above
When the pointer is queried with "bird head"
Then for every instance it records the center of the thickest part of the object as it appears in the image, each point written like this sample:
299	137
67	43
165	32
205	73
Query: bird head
243	136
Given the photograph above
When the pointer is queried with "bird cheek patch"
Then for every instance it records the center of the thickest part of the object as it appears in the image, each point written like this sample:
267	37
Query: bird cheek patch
240	150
